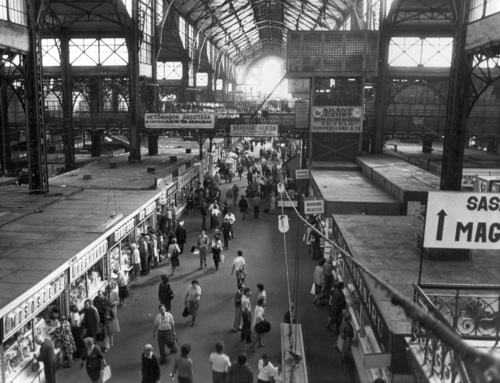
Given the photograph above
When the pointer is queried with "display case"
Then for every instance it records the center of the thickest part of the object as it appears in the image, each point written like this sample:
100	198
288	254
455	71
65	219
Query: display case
95	279
78	292
17	354
119	258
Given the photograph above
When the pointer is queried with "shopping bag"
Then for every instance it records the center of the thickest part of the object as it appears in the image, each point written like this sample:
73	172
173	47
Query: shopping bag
105	374
185	312
114	326
196	252
340	342
193	248
313	289
222	257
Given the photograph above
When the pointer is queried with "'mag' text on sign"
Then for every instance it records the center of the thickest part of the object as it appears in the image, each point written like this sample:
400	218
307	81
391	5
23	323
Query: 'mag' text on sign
462	220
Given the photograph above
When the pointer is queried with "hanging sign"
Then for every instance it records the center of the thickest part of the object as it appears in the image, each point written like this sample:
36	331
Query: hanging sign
161	182
302	174
227	113
314	206
257	130
81	262
456	220
18	317
179	120
337	119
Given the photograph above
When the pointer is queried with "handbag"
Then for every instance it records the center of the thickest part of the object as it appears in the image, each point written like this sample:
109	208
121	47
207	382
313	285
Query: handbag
193	249
114	326
106	374
340	342
222	257
313	289
35	366
185	312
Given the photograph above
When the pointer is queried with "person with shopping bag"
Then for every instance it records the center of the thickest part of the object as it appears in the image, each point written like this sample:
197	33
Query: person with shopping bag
95	362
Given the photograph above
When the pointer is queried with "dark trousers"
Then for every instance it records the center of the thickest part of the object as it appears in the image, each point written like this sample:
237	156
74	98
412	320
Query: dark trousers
226	239
216	254
165	339
256	212
246	328
181	247
219	377
231	230
50	372
203	222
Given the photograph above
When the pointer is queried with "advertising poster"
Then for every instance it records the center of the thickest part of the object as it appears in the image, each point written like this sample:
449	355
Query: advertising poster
179	120
337	119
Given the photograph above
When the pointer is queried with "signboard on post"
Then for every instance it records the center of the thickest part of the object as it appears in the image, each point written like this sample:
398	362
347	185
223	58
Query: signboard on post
457	220
314	206
179	120
258	130
337	119
302	174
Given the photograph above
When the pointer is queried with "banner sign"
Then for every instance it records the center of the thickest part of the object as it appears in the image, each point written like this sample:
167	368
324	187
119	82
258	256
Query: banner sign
227	113
456	220
179	120
258	130
314	206
302	174
337	119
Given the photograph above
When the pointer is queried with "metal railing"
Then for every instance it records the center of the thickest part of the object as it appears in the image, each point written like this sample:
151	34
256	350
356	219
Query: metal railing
471	310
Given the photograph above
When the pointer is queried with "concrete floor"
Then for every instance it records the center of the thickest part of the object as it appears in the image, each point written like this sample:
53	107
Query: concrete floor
263	248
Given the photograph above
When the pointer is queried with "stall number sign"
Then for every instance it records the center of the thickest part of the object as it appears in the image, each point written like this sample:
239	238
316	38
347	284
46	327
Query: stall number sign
315	206
124	230
302	174
462	221
81	262
151	208
33	305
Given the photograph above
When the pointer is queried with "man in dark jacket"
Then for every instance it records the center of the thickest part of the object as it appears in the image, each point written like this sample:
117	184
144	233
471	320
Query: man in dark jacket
91	319
337	305
150	367
240	372
203	211
48	357
181	235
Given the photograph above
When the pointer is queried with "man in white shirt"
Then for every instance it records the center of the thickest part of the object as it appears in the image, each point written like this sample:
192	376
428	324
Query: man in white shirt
220	363
232	219
239	267
165	327
246	315
266	369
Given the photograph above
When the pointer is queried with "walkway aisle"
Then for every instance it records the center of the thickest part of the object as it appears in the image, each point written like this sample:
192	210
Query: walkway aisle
263	249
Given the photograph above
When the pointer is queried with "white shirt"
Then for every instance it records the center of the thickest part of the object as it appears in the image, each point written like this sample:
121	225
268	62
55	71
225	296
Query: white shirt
245	303
230	217
219	362
262	294
258	315
238	263
265	372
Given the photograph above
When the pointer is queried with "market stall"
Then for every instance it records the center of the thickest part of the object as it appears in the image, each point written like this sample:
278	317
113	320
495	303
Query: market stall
186	182
88	274
145	220
119	249
37	315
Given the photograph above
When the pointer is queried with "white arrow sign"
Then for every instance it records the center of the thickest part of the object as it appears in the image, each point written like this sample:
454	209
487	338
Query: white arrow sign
462	220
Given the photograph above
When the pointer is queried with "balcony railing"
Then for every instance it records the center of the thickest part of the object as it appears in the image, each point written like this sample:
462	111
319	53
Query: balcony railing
470	310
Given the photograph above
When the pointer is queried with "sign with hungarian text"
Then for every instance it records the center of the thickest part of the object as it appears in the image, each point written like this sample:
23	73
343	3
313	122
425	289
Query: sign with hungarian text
337	119
459	220
179	120
257	130
314	206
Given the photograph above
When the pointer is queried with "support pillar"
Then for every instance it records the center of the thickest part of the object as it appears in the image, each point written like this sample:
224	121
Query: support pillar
458	106
38	175
153	145
382	82
210	85
95	146
5	154
67	105
133	65
492	146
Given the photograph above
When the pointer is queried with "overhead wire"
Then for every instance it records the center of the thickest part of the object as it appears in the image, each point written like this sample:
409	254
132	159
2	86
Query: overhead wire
487	361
